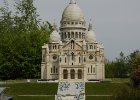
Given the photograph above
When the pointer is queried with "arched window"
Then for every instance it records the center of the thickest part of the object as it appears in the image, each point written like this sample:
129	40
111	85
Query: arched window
68	34
79	34
65	74
88	70
55	47
72	56
79	59
72	35
65	35
72	74
91	46
84	59
65	59
79	74
91	68
51	70
76	35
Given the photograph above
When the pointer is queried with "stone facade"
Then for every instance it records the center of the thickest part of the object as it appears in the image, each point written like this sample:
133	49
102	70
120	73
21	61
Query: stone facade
73	54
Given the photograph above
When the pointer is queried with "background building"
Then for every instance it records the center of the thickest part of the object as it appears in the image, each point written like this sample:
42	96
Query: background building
73	54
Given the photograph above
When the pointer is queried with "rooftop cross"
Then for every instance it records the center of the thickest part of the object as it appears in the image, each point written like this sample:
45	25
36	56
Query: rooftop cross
90	25
55	26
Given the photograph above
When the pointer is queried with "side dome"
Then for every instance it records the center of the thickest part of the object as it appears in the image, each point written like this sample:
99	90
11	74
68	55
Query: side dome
72	12
55	37
90	36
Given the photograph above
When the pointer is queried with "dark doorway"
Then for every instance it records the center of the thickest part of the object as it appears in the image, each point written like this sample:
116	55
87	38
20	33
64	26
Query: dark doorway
79	74
72	74
65	74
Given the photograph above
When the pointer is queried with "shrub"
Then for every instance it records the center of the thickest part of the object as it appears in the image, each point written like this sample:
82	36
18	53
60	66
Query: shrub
135	78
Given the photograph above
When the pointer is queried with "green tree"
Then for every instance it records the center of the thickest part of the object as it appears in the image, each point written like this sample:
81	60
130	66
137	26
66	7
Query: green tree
26	15
21	39
117	68
134	60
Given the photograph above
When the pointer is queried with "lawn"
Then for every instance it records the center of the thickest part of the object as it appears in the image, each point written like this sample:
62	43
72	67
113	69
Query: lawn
31	89
16	89
104	88
35	98
97	98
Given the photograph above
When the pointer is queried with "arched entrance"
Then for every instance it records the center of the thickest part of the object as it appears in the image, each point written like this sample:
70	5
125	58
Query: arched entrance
72	74
65	74
79	74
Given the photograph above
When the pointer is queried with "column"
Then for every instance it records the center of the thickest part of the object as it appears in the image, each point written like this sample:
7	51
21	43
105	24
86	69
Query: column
60	73
69	74
66	35
76	74
84	73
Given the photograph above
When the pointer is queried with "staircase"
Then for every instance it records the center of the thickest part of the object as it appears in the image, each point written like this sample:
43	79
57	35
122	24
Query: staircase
71	91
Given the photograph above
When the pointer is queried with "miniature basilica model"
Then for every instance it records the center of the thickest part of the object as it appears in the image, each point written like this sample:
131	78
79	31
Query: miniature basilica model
73	54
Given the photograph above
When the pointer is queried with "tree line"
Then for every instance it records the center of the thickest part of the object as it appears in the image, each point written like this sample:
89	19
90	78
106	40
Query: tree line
123	66
21	36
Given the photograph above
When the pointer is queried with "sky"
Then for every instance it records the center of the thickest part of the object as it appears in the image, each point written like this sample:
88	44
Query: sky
116	22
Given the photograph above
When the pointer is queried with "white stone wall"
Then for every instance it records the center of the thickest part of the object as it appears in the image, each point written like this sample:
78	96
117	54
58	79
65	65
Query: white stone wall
94	65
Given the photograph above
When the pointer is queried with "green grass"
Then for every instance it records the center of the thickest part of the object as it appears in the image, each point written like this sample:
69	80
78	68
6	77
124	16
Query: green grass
34	98
31	89
104	88
16	88
97	98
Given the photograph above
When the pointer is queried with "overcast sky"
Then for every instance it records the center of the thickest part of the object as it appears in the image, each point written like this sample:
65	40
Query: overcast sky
116	22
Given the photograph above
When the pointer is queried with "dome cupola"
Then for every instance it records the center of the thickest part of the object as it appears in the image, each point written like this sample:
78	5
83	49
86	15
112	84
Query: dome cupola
72	12
54	36
90	36
72	23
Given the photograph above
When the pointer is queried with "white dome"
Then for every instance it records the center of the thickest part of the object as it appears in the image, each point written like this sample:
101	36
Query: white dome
72	12
90	36
55	37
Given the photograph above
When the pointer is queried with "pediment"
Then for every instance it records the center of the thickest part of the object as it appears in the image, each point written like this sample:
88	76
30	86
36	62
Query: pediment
69	46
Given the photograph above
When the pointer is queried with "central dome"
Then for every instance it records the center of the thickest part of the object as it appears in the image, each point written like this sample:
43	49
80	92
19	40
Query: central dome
72	12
